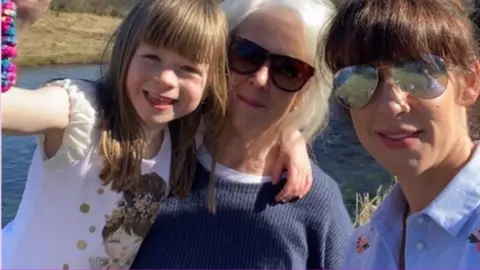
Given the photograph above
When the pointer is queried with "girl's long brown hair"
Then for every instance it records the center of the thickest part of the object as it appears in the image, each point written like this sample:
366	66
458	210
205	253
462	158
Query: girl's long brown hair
195	29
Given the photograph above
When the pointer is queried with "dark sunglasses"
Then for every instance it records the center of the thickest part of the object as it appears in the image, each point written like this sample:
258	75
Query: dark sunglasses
288	74
426	78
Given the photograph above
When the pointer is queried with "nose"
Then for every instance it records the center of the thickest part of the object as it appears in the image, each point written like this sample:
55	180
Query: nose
260	78
392	100
166	78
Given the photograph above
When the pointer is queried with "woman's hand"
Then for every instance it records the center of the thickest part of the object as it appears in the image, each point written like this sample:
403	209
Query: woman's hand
29	11
293	159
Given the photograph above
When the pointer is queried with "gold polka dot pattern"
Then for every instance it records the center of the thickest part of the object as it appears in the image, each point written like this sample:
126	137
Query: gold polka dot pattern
81	245
84	208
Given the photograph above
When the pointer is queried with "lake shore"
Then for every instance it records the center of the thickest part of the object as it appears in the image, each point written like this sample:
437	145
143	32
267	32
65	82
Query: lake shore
65	38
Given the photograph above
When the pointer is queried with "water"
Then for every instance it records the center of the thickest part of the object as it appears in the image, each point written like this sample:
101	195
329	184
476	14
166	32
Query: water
337	151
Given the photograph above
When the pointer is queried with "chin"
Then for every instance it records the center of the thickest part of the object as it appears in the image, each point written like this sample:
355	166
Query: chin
156	120
242	123
159	121
404	168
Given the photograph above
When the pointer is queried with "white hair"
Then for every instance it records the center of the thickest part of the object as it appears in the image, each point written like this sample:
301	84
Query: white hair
310	115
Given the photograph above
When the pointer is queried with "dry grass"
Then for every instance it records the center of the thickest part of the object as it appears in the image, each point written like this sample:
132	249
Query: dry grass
111	8
366	206
65	38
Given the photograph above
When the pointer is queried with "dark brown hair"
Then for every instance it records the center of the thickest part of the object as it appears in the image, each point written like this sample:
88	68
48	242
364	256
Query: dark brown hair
396	31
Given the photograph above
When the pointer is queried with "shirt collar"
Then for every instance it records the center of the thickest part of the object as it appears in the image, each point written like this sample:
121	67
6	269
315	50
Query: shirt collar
451	209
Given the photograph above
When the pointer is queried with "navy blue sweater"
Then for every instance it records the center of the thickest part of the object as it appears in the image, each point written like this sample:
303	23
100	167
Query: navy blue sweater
250	230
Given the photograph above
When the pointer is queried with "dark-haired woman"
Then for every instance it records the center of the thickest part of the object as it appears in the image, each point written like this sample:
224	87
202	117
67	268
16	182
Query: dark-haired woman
407	71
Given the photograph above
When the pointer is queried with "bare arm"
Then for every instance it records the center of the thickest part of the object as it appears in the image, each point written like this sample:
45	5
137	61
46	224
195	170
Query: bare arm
293	159
31	112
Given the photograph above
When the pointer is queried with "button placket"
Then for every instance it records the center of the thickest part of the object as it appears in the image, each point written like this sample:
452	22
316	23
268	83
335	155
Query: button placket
420	245
420	226
416	239
420	220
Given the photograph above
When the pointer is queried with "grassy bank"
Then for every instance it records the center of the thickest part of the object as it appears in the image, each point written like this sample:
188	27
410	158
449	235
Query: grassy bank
65	38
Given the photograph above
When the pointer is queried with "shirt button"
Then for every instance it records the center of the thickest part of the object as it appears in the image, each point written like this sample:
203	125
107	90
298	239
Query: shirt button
420	245
420	220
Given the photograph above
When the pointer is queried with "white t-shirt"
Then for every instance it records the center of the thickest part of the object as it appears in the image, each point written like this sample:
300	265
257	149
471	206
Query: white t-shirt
204	157
67	218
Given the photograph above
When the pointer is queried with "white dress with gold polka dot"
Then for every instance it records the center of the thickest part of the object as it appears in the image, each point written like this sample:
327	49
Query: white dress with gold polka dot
67	218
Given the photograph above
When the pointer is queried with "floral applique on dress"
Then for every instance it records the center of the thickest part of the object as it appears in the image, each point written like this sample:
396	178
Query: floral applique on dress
474	238
362	244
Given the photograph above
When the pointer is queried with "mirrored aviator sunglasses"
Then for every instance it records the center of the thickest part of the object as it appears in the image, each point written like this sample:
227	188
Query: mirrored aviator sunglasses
426	78
286	73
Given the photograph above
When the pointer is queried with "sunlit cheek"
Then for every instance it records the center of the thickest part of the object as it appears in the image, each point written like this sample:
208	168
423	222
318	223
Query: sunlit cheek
360	122
285	103
234	81
135	72
193	95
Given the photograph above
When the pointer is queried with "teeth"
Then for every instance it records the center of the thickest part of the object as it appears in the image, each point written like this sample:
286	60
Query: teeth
159	99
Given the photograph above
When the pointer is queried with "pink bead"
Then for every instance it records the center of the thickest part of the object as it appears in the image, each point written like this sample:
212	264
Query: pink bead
9	5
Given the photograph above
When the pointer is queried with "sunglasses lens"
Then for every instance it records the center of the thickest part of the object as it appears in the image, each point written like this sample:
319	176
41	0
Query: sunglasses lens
290	74
425	79
245	57
355	85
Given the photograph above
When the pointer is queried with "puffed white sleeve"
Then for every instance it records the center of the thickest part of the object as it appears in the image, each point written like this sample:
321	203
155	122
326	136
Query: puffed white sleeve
83	121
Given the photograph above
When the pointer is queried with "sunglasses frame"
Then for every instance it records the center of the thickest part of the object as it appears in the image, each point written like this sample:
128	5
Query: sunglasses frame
268	58
444	70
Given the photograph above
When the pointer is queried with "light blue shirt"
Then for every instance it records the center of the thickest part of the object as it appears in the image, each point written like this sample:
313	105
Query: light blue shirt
445	235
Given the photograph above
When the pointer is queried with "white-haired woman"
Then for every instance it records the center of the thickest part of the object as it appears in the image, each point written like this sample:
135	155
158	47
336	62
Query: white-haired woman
274	87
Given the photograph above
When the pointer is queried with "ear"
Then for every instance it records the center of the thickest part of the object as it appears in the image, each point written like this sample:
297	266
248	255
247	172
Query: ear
471	89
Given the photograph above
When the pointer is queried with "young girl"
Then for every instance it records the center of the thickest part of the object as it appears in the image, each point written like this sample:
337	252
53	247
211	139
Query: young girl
109	152
408	72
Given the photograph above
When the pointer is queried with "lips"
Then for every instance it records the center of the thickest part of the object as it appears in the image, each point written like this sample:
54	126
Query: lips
251	102
158	102
399	135
400	139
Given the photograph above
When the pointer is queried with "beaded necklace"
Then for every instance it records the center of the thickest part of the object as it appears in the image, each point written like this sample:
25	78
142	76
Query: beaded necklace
9	44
